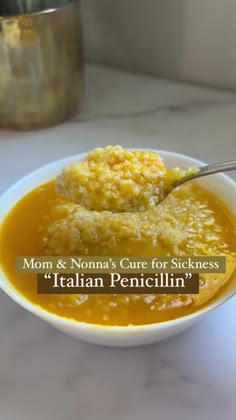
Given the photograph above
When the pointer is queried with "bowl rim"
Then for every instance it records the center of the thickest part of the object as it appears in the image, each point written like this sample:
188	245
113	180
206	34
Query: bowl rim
58	320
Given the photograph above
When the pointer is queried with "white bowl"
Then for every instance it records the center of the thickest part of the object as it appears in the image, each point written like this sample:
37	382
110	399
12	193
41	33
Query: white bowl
220	184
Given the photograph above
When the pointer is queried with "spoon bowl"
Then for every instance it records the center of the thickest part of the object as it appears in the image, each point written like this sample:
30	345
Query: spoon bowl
198	172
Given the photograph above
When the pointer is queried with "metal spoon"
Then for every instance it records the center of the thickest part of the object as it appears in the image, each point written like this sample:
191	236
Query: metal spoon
213	168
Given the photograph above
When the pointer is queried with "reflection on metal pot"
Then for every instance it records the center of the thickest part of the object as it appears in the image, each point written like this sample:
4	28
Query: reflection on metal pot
41	66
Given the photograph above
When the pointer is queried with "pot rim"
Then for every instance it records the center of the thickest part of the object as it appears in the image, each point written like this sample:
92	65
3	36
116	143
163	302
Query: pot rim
46	11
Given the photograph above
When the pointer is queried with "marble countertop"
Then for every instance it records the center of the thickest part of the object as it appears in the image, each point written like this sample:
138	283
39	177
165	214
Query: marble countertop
47	375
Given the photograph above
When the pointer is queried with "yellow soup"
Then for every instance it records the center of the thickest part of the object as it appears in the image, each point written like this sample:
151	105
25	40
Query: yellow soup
190	221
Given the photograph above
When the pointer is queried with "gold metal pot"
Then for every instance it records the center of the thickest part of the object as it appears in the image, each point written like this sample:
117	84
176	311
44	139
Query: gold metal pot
41	67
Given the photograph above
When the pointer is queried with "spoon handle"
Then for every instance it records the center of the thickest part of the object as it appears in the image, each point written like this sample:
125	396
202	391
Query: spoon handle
213	168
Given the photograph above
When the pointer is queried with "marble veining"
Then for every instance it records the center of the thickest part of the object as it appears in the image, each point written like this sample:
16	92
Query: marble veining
45	374
185	107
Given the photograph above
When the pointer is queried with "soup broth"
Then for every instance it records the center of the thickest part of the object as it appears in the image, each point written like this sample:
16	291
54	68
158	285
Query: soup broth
191	221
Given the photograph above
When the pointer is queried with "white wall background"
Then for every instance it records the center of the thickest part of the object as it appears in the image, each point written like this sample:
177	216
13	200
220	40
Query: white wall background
183	39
